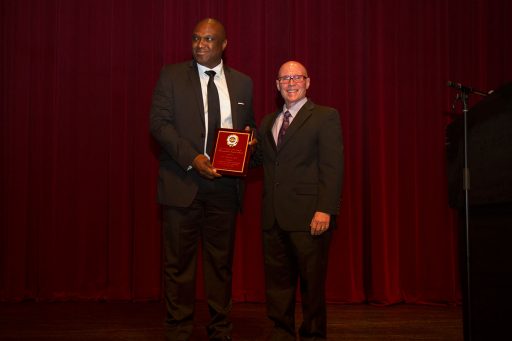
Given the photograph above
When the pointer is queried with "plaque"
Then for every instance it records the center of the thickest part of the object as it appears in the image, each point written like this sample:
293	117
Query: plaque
231	152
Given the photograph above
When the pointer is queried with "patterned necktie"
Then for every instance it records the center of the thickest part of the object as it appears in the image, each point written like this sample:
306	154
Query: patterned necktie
213	111
284	126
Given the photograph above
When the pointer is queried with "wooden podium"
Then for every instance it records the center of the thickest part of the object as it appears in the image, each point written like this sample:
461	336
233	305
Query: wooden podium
487	290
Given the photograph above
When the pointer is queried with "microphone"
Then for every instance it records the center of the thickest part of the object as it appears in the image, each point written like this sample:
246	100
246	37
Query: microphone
466	89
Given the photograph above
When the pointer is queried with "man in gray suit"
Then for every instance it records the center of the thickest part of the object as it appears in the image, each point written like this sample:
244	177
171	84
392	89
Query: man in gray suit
190	101
302	153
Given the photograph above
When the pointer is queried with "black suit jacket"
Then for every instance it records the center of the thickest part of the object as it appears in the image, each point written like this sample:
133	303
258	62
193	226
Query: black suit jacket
305	175
177	122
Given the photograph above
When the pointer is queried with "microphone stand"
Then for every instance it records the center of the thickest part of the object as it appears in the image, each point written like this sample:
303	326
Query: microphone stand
463	96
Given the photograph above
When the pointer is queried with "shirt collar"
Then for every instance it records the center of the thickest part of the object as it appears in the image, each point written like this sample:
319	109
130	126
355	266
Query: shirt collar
219	70
294	109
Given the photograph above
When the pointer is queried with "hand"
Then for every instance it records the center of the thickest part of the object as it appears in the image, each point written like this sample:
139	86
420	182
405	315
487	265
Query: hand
253	141
204	167
320	223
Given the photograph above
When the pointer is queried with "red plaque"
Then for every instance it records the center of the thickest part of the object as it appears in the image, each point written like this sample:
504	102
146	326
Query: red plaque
231	152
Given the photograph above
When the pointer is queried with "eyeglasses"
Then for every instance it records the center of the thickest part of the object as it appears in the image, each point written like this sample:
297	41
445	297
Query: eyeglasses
295	78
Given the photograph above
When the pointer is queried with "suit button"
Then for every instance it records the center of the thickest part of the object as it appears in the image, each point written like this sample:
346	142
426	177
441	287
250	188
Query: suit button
276	184
202	135
277	163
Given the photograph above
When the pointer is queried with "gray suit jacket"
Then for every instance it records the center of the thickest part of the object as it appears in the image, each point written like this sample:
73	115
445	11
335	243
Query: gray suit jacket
177	123
305	175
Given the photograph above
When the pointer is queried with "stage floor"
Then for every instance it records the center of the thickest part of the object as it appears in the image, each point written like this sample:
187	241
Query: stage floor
144	321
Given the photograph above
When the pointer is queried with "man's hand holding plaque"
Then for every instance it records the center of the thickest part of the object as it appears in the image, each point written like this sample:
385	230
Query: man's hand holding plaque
231	151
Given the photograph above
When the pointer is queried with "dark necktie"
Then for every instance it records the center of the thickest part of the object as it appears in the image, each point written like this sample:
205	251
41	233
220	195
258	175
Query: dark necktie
284	126
213	111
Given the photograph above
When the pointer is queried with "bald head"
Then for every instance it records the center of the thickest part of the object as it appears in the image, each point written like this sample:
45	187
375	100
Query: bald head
215	25
292	66
292	82
208	42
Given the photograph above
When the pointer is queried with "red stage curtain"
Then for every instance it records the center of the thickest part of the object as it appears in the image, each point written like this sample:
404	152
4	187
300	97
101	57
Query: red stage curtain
78	215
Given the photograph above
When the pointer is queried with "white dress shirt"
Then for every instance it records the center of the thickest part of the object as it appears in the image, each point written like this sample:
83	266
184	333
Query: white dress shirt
222	87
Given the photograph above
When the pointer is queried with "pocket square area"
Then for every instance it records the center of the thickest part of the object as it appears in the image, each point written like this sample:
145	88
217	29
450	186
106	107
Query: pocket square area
241	103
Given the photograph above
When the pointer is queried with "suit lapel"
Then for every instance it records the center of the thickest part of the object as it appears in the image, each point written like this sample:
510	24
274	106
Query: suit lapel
196	87
301	117
235	117
269	134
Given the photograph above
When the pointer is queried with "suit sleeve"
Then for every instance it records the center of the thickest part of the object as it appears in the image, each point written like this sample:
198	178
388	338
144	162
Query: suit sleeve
330	164
162	122
257	155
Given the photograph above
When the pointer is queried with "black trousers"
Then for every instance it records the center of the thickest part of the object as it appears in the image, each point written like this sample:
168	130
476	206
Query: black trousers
292	258
211	220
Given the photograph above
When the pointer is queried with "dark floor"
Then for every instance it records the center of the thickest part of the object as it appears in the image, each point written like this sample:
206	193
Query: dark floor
144	321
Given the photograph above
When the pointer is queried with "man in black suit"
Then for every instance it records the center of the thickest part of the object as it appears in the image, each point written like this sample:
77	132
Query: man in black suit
302	153
189	103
